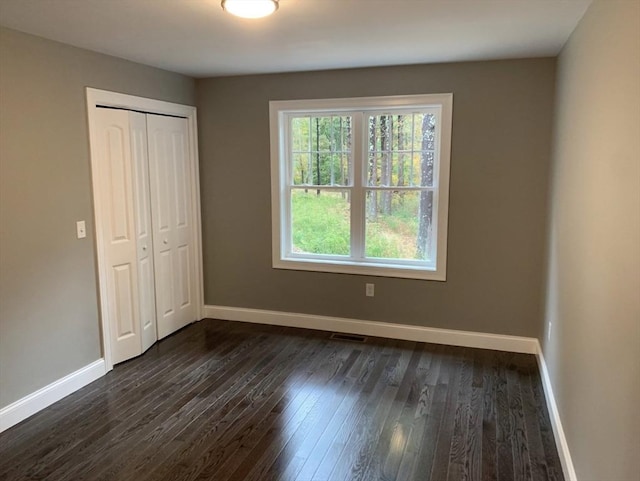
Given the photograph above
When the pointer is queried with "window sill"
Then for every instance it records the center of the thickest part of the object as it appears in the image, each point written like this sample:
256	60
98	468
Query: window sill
365	269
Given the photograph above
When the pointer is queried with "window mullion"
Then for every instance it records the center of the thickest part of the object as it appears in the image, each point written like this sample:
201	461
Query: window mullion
358	154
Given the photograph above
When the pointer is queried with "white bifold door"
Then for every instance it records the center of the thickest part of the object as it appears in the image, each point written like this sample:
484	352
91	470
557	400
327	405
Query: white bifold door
146	221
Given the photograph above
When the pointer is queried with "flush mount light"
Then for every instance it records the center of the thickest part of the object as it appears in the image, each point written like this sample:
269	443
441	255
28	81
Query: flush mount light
250	8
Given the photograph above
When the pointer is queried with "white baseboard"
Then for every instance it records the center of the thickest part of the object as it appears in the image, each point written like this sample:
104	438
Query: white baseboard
34	402
556	424
405	332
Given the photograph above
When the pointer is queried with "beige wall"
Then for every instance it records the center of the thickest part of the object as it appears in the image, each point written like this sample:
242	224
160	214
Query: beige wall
499	170
48	307
593	292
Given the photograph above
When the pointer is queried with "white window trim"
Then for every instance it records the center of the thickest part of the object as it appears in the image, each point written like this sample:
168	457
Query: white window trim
277	112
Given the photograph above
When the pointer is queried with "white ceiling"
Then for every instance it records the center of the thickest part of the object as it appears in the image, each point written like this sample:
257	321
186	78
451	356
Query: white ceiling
197	38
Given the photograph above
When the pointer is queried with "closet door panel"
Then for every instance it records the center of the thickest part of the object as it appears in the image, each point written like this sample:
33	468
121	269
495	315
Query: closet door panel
144	233
184	278
116	196
124	302
165	283
172	216
147	302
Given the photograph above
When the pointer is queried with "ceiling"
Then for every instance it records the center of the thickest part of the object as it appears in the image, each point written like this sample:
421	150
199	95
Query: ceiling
197	38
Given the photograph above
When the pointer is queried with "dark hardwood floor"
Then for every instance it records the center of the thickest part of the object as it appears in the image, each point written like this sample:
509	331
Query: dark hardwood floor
231	401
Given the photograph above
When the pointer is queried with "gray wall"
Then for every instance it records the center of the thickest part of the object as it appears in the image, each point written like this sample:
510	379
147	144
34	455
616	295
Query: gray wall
499	169
593	292
49	323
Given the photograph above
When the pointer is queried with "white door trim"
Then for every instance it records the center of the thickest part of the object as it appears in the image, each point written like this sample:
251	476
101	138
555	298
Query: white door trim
97	97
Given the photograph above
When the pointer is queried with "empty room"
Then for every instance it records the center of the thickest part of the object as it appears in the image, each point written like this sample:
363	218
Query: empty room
320	240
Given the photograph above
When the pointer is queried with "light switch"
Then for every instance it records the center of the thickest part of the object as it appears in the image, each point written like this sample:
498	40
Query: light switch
81	228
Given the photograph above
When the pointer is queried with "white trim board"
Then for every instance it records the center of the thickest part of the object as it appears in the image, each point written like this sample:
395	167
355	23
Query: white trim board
42	398
556	424
498	342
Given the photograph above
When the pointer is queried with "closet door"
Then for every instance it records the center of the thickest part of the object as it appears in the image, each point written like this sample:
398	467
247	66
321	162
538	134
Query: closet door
172	217
144	235
116	198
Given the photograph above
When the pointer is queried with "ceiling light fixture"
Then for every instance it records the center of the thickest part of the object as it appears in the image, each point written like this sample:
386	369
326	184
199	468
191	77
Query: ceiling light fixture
250	8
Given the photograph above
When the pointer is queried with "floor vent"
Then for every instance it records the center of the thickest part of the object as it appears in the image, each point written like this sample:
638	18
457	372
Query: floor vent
348	337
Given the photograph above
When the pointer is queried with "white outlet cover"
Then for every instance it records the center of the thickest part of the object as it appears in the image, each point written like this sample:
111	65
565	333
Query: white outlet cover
370	290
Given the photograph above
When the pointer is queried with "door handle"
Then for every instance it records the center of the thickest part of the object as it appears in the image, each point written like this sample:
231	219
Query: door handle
165	242
144	248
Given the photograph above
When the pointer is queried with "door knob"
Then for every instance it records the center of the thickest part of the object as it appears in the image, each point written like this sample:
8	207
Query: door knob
144	248
165	242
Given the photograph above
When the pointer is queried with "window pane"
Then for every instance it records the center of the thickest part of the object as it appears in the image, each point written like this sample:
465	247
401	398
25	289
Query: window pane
326	142
401	150
424	131
300	128
320	221
399	224
423	169
374	169
301	168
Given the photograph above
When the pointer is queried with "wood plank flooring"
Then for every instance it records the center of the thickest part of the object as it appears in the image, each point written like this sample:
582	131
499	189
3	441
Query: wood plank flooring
230	401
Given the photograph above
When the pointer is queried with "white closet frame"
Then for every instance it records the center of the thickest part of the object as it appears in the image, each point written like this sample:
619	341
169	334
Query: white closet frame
106	98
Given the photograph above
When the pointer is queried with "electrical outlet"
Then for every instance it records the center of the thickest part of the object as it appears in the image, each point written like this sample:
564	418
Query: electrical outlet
370	290
81	229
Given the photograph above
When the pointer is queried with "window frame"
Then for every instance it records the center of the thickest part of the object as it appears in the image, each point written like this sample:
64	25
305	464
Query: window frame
279	113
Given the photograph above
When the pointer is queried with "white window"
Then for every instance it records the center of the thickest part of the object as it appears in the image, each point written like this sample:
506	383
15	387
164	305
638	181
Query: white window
361	185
